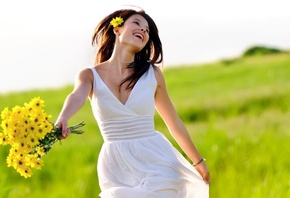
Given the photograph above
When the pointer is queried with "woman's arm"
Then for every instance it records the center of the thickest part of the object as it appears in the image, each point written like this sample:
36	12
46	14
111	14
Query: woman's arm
176	127
75	100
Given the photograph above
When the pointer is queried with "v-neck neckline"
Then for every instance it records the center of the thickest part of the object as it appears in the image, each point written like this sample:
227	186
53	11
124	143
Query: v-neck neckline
110	91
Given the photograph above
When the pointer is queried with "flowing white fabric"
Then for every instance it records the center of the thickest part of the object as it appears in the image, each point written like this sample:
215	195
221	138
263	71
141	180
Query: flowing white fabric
135	160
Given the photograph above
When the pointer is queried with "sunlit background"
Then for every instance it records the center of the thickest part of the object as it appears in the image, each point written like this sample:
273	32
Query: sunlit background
44	43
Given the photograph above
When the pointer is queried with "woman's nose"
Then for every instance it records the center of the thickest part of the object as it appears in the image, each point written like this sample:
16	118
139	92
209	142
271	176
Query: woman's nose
143	29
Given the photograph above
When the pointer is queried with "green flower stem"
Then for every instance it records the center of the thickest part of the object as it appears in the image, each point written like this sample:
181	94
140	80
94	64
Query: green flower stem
74	128
56	135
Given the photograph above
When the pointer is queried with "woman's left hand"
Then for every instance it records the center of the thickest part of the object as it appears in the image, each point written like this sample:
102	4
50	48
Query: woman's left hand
203	171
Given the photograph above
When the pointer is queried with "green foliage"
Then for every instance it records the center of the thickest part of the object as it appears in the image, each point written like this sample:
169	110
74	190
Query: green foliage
261	50
237	116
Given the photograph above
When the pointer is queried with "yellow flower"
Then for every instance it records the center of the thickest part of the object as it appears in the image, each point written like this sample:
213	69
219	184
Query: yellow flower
5	125
3	139
30	134
40	151
36	163
19	162
5	113
11	160
32	140
14	151
115	22
25	171
39	132
34	104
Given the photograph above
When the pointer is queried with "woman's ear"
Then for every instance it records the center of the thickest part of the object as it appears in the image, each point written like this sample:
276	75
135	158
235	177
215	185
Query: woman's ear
116	30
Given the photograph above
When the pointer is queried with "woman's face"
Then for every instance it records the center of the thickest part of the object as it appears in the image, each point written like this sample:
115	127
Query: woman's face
134	32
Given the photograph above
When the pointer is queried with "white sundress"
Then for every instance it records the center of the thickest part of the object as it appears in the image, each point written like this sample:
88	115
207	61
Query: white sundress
135	160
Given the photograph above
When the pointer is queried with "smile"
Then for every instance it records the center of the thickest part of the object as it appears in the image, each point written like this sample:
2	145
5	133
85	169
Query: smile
138	35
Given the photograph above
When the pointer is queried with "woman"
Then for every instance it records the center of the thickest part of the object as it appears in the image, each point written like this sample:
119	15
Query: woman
124	89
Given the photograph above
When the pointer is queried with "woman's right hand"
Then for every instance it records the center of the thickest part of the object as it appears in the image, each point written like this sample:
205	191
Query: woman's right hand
63	125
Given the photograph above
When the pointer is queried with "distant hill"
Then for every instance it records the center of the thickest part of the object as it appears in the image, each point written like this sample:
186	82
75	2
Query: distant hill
261	50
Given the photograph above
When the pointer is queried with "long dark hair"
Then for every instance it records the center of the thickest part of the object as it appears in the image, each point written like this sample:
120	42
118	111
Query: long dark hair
152	53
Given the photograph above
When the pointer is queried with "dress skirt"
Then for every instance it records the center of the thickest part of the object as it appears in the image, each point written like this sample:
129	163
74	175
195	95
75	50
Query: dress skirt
149	167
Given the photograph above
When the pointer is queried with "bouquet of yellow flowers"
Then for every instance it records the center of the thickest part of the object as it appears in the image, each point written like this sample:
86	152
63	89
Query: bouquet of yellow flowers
30	134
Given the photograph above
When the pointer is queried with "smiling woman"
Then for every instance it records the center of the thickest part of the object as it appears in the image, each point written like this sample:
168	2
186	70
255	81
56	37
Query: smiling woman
124	87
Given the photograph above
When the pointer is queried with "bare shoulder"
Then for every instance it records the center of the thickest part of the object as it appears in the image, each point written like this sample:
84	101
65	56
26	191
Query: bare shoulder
85	71
158	75
85	75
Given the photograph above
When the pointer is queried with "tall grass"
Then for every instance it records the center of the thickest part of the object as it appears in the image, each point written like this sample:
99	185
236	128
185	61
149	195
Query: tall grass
237	115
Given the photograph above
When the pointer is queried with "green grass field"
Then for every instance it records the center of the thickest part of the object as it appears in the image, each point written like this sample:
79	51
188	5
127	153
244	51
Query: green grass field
237	113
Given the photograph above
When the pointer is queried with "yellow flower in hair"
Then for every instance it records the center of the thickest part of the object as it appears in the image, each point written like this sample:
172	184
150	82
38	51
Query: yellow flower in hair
115	22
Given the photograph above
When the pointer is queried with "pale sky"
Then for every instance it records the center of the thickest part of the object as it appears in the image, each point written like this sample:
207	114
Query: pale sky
43	44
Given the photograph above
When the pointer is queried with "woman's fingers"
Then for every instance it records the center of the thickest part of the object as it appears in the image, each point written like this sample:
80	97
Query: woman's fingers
65	132
206	177
202	169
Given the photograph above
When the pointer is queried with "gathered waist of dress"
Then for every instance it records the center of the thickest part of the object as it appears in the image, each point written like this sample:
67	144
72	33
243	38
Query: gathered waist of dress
127	129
